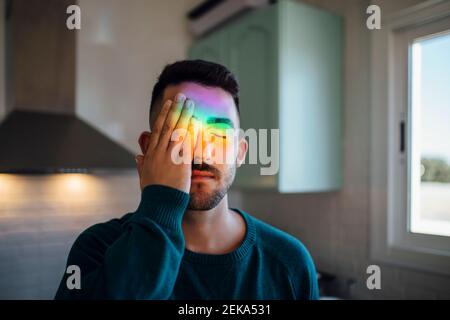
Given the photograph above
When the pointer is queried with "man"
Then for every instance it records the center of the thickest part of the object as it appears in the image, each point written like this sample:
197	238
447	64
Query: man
183	241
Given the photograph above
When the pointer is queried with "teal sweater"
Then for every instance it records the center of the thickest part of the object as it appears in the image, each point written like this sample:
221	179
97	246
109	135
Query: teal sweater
143	256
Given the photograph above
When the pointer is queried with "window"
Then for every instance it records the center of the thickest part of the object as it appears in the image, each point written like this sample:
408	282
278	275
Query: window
410	136
430	132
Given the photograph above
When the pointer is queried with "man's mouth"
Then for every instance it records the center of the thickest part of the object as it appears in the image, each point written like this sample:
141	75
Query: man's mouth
201	174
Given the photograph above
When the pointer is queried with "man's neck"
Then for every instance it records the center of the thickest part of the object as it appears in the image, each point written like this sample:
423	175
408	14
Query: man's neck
216	231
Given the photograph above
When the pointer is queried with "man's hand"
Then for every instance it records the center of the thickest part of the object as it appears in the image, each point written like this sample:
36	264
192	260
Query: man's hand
157	165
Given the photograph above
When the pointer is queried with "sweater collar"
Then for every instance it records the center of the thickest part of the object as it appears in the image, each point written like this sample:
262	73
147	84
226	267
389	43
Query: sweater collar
227	258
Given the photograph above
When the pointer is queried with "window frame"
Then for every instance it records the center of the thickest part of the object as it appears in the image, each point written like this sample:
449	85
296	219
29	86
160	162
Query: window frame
391	242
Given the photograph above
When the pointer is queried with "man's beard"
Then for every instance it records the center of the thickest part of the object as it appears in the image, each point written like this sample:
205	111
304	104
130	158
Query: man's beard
202	200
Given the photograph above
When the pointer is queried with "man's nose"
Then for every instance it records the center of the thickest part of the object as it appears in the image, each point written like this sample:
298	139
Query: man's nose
203	150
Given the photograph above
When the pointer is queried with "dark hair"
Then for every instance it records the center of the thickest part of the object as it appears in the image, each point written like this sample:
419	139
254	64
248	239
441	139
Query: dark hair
202	72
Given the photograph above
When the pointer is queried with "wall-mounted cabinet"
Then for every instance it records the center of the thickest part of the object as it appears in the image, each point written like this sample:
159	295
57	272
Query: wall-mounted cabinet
288	60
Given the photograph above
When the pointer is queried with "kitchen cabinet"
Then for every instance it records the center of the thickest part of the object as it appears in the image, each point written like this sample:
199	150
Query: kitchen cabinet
288	60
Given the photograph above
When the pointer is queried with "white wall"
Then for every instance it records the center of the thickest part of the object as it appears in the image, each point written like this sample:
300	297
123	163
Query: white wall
122	47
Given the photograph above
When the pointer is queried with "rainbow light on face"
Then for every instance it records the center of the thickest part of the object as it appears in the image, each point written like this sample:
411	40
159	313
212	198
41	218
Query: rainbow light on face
210	102
214	117
214	133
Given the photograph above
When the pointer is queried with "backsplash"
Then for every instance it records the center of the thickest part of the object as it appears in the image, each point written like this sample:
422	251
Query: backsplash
40	218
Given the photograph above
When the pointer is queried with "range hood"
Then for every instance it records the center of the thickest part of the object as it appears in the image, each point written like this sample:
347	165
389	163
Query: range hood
42	133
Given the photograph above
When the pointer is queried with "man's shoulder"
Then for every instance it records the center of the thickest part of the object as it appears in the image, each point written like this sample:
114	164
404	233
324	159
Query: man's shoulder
291	253
281	245
103	233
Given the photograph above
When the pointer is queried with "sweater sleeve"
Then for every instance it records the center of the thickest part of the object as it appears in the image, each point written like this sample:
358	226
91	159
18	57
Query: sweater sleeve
303	274
143	262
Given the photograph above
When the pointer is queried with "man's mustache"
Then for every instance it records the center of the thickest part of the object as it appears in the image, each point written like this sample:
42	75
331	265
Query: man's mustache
206	167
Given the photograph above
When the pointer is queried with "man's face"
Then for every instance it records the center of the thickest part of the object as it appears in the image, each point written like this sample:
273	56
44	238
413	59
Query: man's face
218	151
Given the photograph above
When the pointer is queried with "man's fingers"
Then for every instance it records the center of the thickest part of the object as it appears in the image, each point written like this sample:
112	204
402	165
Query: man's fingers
186	115
181	129
171	121
188	144
158	125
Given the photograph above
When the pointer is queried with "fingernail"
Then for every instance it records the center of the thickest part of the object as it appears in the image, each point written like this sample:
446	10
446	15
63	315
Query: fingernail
180	97
189	104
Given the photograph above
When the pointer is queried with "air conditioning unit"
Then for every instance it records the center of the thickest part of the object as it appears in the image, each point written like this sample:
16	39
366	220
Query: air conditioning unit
212	13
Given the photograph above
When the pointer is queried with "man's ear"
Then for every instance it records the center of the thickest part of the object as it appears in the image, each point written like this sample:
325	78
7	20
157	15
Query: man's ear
144	140
242	151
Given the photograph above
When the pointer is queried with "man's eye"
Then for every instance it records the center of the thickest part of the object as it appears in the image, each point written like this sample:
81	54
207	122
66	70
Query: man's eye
219	135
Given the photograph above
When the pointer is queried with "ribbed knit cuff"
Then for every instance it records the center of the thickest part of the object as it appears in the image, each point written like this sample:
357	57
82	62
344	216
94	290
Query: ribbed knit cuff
164	205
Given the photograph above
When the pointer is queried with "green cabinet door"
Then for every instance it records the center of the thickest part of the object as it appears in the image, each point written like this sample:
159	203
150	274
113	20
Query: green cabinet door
211	48
253	50
310	98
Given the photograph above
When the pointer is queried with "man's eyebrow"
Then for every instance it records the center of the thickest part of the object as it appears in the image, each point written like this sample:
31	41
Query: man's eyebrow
220	120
